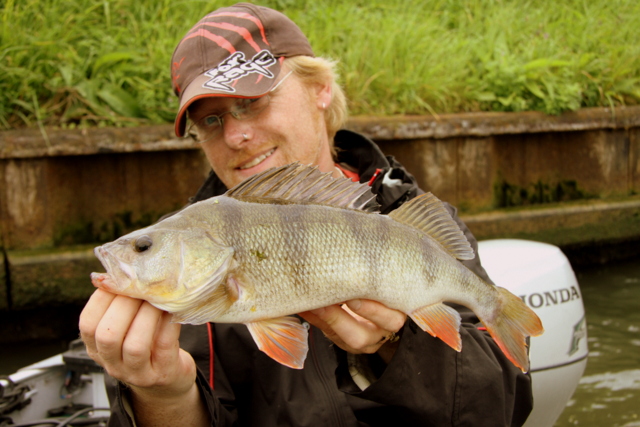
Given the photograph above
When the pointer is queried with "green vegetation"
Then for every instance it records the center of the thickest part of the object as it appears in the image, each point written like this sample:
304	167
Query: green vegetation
507	195
103	63
89	231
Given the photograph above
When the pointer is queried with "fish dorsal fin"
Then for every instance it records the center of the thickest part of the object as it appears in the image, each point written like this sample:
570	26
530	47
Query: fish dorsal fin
427	213
296	183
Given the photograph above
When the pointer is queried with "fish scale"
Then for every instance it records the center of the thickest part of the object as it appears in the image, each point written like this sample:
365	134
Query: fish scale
293	239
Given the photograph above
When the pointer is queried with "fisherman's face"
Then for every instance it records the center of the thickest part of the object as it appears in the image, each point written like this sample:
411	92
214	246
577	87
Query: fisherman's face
291	128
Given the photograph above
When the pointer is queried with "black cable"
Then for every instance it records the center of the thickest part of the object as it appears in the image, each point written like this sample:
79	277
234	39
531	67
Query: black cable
67	421
12	396
80	412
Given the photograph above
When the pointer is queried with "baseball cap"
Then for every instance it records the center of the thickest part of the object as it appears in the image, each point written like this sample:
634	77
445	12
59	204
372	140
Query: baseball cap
234	51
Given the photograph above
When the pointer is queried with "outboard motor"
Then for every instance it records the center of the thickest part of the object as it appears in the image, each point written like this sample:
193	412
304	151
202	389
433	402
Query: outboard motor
541	275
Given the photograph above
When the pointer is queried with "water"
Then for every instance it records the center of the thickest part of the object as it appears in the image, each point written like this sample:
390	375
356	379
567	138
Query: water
609	391
15	356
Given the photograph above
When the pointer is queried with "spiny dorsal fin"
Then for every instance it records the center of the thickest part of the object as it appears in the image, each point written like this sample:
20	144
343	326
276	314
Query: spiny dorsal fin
427	213
296	183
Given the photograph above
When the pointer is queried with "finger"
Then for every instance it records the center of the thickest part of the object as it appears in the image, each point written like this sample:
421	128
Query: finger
90	317
384	317
169	353
113	328
313	317
138	341
166	341
358	334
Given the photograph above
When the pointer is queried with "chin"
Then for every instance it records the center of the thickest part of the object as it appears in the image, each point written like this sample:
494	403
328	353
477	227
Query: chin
269	162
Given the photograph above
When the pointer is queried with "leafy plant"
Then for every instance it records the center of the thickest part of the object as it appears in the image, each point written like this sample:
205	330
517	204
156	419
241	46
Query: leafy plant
86	63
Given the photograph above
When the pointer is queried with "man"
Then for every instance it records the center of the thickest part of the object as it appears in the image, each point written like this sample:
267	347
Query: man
252	91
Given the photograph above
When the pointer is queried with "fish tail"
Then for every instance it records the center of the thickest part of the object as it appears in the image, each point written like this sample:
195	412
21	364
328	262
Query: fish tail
512	326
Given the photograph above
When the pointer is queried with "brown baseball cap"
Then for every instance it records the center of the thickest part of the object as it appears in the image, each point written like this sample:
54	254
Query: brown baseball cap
234	51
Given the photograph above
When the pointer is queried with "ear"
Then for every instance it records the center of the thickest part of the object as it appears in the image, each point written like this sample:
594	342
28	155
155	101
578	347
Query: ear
323	96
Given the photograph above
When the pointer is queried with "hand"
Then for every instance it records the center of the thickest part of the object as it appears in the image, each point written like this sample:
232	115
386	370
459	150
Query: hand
359	326
136	344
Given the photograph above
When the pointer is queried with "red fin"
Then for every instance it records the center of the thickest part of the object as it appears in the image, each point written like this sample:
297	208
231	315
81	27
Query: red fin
283	339
440	321
515	322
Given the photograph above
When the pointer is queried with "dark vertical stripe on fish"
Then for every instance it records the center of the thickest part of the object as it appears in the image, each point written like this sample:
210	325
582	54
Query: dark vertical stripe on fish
298	240
384	250
231	217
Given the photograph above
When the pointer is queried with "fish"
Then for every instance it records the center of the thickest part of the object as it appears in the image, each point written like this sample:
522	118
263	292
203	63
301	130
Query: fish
292	239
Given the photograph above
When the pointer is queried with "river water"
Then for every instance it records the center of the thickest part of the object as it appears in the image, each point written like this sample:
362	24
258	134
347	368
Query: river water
609	391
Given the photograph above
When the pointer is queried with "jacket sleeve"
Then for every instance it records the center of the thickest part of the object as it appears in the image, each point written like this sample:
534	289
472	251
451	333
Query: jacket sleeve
220	401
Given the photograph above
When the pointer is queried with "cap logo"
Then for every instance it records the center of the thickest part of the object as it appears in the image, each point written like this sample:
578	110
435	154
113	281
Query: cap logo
235	67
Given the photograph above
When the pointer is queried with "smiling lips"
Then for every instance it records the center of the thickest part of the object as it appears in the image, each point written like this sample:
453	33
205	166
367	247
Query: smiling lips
257	160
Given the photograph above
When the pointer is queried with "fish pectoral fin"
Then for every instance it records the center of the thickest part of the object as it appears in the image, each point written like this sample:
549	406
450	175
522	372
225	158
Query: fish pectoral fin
206	309
441	321
283	339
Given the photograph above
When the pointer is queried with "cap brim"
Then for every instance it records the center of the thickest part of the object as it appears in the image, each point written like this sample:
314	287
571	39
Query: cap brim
249	86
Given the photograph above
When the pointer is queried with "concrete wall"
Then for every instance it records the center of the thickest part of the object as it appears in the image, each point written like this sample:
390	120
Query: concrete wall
80	187
493	160
570	180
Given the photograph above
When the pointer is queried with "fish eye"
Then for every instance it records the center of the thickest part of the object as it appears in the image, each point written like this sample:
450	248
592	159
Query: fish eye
142	243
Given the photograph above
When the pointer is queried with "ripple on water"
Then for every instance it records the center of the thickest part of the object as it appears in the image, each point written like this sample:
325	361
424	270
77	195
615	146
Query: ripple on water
609	391
614	381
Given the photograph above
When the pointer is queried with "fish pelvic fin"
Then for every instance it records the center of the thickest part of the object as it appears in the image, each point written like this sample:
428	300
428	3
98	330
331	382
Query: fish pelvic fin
440	321
428	214
510	328
284	339
296	183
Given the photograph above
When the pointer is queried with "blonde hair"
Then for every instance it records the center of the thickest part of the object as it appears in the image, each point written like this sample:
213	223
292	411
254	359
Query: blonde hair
318	71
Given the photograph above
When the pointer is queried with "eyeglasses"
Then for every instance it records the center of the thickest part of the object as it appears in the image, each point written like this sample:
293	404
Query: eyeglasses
210	126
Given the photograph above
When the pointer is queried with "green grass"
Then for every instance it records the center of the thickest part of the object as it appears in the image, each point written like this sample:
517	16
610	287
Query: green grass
102	63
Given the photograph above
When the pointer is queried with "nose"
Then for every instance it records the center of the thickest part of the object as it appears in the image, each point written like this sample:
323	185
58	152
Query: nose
236	132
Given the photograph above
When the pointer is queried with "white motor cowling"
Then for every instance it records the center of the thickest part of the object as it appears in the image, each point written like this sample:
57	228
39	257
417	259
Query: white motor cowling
541	275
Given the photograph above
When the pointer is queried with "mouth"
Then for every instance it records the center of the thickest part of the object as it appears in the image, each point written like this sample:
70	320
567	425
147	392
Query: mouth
103	281
100	253
256	161
119	273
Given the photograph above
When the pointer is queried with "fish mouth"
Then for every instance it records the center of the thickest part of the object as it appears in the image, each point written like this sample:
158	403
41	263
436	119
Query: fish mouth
103	281
257	160
101	254
121	274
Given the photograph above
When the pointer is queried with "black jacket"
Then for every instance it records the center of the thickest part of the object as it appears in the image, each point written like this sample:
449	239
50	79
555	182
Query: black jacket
426	383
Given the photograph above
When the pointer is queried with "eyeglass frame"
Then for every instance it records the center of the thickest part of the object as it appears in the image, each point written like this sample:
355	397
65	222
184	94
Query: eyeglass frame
236	112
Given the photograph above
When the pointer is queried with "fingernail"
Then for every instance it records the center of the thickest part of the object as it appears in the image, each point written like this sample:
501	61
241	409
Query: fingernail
354	304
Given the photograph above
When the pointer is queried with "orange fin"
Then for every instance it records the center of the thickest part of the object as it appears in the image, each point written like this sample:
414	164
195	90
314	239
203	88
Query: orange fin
510	328
283	339
441	321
